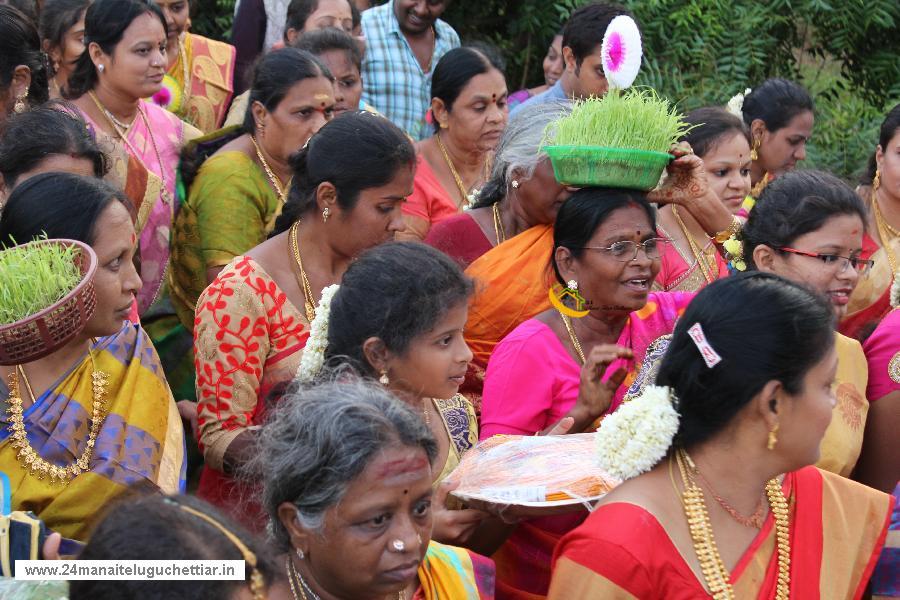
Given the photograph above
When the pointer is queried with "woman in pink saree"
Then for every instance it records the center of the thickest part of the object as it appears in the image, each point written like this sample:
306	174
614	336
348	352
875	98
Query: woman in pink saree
124	61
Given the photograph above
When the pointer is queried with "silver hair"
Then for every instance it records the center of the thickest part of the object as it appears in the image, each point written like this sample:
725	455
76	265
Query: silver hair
520	147
320	438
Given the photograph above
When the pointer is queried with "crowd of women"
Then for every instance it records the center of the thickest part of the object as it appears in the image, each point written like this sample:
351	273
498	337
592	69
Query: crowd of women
306	319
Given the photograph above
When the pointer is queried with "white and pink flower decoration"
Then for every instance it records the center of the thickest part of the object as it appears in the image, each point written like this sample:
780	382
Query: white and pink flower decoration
621	51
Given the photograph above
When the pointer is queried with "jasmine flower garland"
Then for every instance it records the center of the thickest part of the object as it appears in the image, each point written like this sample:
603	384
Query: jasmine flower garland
314	353
637	436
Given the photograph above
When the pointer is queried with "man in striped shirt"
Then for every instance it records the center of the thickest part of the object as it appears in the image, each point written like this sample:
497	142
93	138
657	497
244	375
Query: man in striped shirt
405	40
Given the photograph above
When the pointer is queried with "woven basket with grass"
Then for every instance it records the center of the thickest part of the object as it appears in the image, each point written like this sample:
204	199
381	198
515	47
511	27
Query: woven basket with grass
619	140
39	334
607	167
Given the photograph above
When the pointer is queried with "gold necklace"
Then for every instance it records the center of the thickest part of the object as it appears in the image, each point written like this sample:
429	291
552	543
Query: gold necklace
499	230
468	199
760	186
28	457
425	412
302	280
294	575
700	256
572	336
280	189
885	232
714	572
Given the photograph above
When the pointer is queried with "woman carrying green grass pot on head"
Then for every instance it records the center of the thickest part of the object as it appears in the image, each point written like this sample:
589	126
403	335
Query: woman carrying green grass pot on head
108	373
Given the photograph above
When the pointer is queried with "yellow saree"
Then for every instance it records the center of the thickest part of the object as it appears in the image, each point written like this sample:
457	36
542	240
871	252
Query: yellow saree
200	84
450	573
141	441
844	436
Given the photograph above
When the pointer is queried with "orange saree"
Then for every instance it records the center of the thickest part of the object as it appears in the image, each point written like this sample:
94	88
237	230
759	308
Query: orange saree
837	530
511	284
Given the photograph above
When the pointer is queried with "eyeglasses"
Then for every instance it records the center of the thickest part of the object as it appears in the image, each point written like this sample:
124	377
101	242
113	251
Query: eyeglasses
860	265
626	250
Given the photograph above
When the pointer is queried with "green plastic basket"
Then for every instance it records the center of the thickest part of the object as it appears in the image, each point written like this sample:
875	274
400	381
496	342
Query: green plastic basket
599	166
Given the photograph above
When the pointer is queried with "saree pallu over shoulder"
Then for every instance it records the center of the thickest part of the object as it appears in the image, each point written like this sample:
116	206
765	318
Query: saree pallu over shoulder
144	165
450	573
871	300
843	439
140	443
210	86
512	281
837	530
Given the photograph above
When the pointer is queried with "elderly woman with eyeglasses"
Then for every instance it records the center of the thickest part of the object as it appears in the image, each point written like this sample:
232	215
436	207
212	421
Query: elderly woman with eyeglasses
578	355
346	472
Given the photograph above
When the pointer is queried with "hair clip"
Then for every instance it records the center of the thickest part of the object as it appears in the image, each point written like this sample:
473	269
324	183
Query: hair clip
710	356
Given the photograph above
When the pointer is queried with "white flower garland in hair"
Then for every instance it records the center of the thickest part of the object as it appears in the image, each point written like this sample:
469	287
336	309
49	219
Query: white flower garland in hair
736	105
314	353
633	439
895	290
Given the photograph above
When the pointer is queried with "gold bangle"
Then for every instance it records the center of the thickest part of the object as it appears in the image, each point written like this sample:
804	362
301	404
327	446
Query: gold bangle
731	230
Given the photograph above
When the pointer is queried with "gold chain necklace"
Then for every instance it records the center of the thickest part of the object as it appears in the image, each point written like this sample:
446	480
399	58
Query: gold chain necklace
295	576
572	336
28	457
280	189
499	230
303	280
468	199
714	572
885	232
699	254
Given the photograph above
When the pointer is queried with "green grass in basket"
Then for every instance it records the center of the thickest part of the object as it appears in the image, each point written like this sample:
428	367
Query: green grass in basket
637	119
34	277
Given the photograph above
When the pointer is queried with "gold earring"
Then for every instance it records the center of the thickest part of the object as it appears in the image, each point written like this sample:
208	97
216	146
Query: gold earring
773	438
325	214
384	380
754	155
20	106
444	126
876	181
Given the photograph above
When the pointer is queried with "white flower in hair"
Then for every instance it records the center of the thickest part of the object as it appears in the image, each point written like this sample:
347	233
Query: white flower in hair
736	105
314	353
621	51
637	436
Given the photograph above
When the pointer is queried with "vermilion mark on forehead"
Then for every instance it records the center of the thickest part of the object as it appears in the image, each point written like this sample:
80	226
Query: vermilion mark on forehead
403	466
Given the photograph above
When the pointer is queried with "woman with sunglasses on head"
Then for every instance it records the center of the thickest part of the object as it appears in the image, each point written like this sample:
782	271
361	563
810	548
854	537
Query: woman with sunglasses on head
808	226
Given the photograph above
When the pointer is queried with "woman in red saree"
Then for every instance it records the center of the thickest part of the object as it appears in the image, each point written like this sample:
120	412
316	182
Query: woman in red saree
750	371
521	193
871	299
253	320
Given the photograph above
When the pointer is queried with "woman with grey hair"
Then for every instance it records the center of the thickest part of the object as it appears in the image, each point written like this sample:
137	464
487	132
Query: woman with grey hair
521	193
347	472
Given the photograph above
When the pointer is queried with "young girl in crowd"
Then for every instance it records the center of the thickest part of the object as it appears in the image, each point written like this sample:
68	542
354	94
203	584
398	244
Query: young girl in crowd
398	317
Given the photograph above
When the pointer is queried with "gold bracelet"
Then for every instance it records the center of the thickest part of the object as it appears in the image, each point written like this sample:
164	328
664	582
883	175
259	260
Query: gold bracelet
731	230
